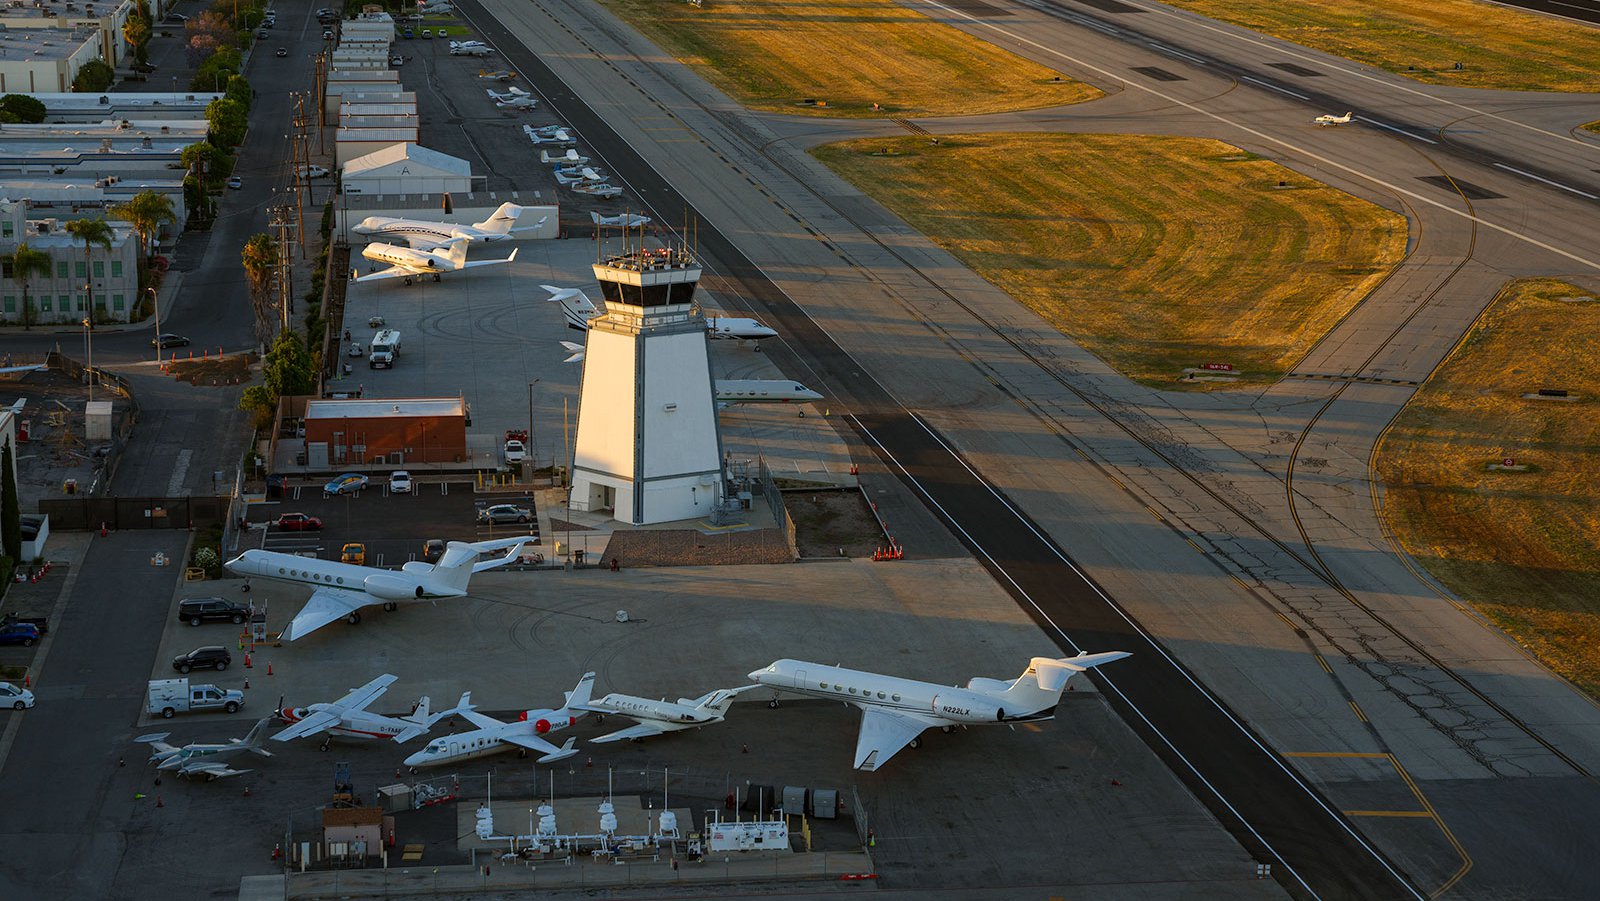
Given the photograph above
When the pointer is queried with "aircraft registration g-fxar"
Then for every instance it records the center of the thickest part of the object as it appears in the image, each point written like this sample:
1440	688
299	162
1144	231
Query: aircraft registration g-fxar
895	711
1331	119
342	589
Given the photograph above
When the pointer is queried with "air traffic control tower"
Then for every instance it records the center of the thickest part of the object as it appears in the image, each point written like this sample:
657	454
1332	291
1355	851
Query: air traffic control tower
648	447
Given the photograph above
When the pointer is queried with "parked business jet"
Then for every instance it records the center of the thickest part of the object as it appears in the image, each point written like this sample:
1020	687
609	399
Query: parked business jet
579	309
1331	119
624	220
344	588
421	234
204	758
657	717
493	736
349	718
896	711
408	263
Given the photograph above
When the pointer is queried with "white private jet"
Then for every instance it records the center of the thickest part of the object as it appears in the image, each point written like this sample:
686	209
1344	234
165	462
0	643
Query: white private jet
579	309
624	220
517	103
657	717
510	93
204	758
1331	119
896	711
570	157
493	736
342	589
409	263
421	234
349	718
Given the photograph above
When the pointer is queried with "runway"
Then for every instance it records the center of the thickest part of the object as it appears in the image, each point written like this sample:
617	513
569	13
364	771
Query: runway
1082	460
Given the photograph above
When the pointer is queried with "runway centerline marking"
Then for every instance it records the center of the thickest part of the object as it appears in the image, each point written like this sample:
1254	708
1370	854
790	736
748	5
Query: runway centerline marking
1272	87
1394	128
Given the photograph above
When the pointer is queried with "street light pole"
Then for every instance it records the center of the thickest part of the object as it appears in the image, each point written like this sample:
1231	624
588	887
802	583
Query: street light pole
532	455
155	303
88	353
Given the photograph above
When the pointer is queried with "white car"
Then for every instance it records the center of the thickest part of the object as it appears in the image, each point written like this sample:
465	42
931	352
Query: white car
14	697
515	452
314	172
400	482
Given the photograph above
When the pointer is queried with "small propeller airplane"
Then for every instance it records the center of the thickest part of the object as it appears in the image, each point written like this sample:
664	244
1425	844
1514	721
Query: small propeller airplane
497	75
658	717
569	157
625	220
547	136
409	263
523	103
597	189
349	718
1331	119
580	175
204	758
524	734
510	93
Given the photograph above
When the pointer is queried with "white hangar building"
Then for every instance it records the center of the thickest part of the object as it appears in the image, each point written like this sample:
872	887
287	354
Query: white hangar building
407	169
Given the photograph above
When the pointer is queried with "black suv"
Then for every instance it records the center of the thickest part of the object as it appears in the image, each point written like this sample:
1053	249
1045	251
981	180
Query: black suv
195	611
215	657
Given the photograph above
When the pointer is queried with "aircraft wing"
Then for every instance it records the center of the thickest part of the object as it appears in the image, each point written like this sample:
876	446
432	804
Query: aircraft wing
479	720
420	242
391	272
885	732
531	742
471	263
325	606
360	698
214	769
643	730
311	725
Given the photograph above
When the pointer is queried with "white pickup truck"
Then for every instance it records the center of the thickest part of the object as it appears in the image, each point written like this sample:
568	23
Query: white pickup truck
170	696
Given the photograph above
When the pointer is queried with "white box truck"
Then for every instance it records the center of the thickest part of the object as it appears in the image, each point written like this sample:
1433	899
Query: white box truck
385	347
170	696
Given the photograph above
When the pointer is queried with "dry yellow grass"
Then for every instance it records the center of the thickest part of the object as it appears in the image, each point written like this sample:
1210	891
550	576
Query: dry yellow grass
1520	546
1498	47
1156	253
850	53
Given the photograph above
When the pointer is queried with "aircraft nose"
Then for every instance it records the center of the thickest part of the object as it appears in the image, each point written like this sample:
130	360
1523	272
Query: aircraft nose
755	675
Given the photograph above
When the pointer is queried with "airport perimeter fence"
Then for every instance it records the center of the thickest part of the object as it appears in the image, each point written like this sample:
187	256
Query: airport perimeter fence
81	513
774	496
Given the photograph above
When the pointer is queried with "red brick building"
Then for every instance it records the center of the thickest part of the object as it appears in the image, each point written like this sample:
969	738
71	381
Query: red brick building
392	431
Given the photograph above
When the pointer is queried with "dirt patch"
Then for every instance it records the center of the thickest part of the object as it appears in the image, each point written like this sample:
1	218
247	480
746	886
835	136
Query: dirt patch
561	525
686	547
232	370
826	522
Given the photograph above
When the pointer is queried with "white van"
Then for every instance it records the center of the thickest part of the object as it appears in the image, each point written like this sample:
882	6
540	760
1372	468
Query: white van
383	350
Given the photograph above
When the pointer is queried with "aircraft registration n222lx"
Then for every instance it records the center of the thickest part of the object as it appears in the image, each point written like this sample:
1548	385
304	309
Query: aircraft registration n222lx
344	588
895	711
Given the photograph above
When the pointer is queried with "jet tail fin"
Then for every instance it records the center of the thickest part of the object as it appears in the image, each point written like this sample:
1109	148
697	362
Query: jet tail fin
580	695
420	715
503	220
1040	685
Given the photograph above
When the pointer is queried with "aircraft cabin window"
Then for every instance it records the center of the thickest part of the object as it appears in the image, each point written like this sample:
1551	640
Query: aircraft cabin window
822	685
340	580
838	688
896	697
280	570
852	690
880	695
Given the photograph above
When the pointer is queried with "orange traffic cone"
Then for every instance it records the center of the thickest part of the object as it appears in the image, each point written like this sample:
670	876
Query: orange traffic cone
27	681
277	850
159	802
247	661
269	669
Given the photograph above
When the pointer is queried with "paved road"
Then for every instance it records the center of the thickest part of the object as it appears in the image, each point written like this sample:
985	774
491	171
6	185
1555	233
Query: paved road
67	801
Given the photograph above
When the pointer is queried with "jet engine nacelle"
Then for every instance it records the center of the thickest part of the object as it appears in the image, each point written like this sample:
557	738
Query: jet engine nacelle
392	588
964	708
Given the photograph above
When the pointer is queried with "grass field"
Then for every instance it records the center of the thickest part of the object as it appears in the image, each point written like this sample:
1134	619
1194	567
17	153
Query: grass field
1519	546
1156	253
851	54
1498	47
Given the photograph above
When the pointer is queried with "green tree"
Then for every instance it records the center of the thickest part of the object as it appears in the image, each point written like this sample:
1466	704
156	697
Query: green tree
21	108
10	513
95	76
238	90
136	31
90	232
26	262
288	367
228	120
146	211
260	259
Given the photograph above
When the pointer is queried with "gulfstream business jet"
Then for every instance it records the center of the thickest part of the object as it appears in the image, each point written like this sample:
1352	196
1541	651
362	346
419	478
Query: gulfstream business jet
896	711
420	234
409	263
342	589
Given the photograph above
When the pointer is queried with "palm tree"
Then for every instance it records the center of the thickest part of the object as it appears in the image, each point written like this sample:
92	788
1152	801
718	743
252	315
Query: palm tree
24	262
260	258
146	211
90	232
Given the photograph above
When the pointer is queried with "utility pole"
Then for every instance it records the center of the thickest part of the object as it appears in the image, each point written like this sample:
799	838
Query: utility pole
320	83
280	218
302	168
